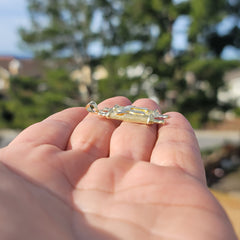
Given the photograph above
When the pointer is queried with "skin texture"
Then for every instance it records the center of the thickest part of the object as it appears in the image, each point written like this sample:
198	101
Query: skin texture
79	176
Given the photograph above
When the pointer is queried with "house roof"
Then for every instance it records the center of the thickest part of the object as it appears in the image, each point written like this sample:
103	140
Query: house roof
29	67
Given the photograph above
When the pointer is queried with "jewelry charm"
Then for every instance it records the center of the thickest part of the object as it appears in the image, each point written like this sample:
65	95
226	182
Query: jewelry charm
128	113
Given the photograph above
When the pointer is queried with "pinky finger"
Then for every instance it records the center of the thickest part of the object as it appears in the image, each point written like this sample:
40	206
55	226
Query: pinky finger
177	146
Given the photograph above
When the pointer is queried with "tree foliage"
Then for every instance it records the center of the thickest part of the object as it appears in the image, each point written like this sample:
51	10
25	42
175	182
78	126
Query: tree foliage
32	99
135	44
208	18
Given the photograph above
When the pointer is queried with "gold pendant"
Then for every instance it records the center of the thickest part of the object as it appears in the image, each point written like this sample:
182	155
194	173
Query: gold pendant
128	113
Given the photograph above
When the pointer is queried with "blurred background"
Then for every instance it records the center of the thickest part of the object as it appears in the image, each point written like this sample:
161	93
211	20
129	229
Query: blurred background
184	54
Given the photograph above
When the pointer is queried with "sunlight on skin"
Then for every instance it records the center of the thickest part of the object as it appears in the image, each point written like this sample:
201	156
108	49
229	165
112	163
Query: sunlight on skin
79	176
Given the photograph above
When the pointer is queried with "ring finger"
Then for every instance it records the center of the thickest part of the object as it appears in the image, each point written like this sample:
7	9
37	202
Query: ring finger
135	141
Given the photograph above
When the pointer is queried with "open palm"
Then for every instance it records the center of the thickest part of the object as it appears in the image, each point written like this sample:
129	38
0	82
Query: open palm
79	176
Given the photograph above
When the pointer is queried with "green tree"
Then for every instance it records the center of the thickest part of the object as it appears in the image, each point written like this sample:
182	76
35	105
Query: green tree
58	28
70	28
135	40
149	25
206	29
30	100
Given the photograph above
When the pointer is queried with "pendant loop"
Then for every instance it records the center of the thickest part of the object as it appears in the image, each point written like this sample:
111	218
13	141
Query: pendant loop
92	107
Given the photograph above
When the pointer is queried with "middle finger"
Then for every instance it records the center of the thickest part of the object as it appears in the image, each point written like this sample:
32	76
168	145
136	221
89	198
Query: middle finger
135	141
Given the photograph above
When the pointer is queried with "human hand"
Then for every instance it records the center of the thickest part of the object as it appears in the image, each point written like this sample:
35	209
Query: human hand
78	176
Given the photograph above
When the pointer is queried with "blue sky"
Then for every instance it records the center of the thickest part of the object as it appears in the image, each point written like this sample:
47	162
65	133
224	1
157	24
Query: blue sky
13	14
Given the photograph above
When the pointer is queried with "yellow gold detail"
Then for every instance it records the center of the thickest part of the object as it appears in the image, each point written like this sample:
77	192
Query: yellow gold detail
128	113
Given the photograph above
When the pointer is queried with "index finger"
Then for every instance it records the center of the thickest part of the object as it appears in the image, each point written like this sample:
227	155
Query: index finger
177	146
54	130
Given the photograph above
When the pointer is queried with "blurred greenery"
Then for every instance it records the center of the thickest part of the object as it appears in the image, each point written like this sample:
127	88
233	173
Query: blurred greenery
32	99
237	111
133	40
